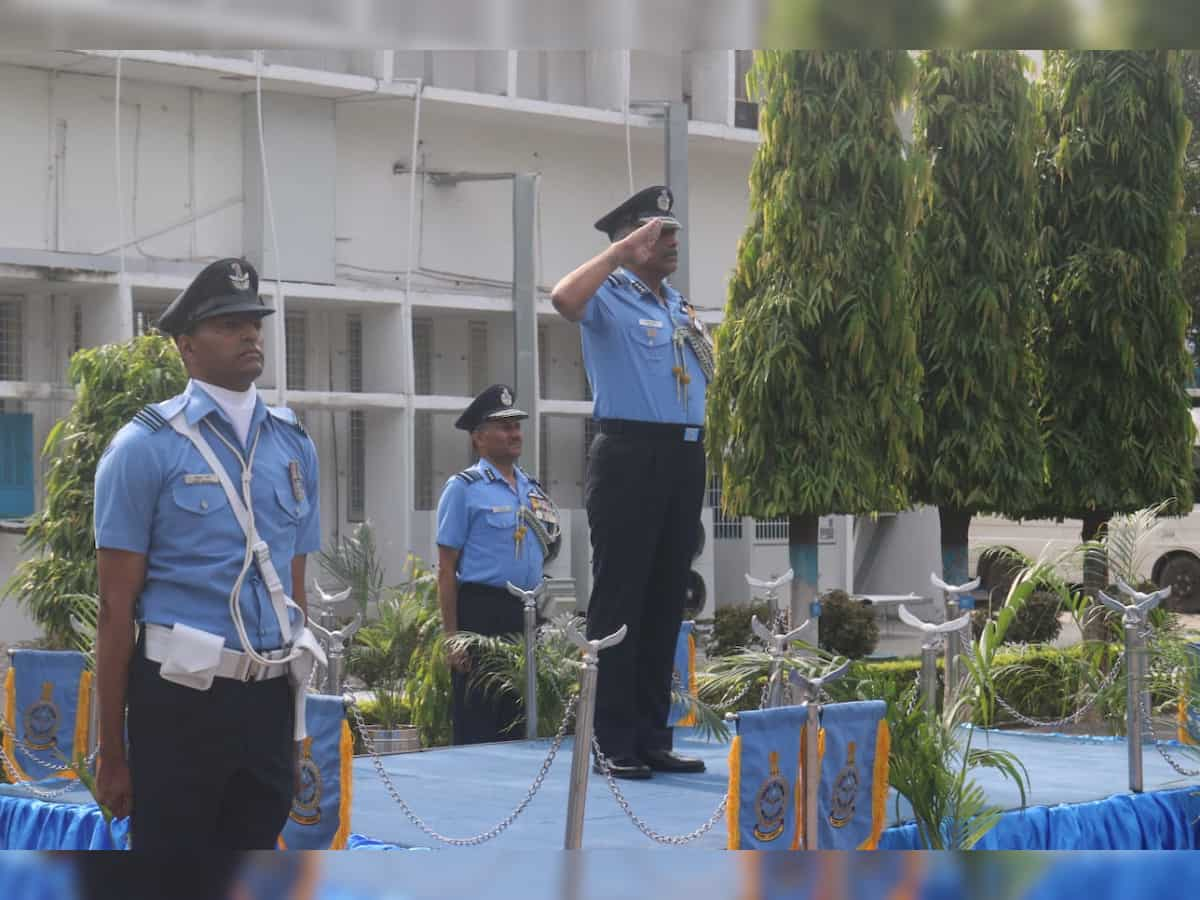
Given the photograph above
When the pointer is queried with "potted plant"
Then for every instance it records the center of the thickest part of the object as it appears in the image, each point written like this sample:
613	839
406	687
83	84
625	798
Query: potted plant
391	731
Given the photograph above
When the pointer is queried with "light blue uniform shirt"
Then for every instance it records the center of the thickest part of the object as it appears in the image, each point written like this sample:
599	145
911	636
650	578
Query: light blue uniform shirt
153	498
628	353
479	518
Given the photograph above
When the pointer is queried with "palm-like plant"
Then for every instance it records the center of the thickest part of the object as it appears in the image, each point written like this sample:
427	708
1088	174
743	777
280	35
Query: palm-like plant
499	669
354	562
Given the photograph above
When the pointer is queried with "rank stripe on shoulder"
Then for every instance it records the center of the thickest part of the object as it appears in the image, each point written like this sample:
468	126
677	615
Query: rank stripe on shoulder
150	418
470	476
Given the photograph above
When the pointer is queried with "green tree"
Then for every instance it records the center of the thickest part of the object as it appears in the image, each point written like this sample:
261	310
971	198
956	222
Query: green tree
973	286
814	407
848	24
1120	432
111	383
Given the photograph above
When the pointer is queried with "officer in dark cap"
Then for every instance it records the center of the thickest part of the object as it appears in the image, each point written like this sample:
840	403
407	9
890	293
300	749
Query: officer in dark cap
495	526
649	361
206	506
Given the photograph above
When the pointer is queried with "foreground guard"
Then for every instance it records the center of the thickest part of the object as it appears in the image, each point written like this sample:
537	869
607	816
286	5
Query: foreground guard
206	505
649	361
496	525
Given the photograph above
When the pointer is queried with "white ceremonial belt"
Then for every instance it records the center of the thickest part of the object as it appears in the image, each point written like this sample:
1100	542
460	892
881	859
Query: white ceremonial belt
233	664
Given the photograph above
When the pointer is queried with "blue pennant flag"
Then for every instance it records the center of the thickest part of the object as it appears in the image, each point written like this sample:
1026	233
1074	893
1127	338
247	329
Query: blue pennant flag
764	770
47	703
684	679
854	775
320	816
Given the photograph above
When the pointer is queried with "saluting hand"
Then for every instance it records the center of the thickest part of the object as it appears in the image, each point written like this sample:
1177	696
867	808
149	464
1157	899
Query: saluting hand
637	248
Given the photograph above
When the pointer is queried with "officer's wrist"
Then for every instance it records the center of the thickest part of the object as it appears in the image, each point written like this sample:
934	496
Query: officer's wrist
612	256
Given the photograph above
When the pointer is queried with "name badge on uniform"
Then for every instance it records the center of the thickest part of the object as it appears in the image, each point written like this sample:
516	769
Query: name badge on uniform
500	509
297	481
208	478
651	326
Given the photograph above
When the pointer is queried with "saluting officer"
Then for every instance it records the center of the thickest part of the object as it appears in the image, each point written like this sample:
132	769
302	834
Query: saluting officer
206	505
649	361
495	526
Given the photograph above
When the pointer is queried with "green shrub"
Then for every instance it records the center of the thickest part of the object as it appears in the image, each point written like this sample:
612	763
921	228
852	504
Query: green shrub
731	628
1036	622
848	627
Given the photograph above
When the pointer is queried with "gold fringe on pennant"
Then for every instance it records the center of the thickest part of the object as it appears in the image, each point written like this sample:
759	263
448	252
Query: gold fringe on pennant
690	718
83	717
735	794
879	786
345	788
10	716
1181	717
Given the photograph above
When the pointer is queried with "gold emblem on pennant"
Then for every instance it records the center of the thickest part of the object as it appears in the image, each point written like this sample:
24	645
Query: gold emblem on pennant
771	803
845	792
306	805
41	721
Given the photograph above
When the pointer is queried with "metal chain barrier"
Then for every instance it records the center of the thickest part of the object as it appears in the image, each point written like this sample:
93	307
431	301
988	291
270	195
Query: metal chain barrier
676	840
32	752
41	793
1073	718
1159	744
500	827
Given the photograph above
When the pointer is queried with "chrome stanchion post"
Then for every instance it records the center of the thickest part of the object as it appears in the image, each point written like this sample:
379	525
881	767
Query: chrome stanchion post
576	801
770	591
957	597
777	644
809	687
931	633
1134	617
530	601
335	640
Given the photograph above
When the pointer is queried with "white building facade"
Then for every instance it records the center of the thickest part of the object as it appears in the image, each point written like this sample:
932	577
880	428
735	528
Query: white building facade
397	288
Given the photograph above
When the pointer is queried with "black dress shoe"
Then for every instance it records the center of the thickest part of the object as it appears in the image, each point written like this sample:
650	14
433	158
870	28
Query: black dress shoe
669	761
624	767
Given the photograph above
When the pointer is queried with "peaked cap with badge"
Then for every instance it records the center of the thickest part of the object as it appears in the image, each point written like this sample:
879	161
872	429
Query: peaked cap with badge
491	405
222	288
654	202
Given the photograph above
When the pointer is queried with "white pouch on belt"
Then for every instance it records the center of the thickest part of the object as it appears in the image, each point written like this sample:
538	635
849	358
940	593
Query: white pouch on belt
299	670
192	657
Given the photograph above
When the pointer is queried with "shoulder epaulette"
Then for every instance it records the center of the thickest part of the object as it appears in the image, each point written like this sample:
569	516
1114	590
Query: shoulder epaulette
149	417
283	414
614	280
470	476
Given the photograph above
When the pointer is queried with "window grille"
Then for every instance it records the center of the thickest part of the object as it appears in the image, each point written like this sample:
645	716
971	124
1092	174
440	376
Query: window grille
423	459
296	338
725	527
356	473
12	333
477	357
771	529
422	348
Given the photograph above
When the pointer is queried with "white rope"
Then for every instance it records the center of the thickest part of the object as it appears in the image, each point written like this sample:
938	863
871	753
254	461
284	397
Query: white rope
628	63
117	155
280	337
407	470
